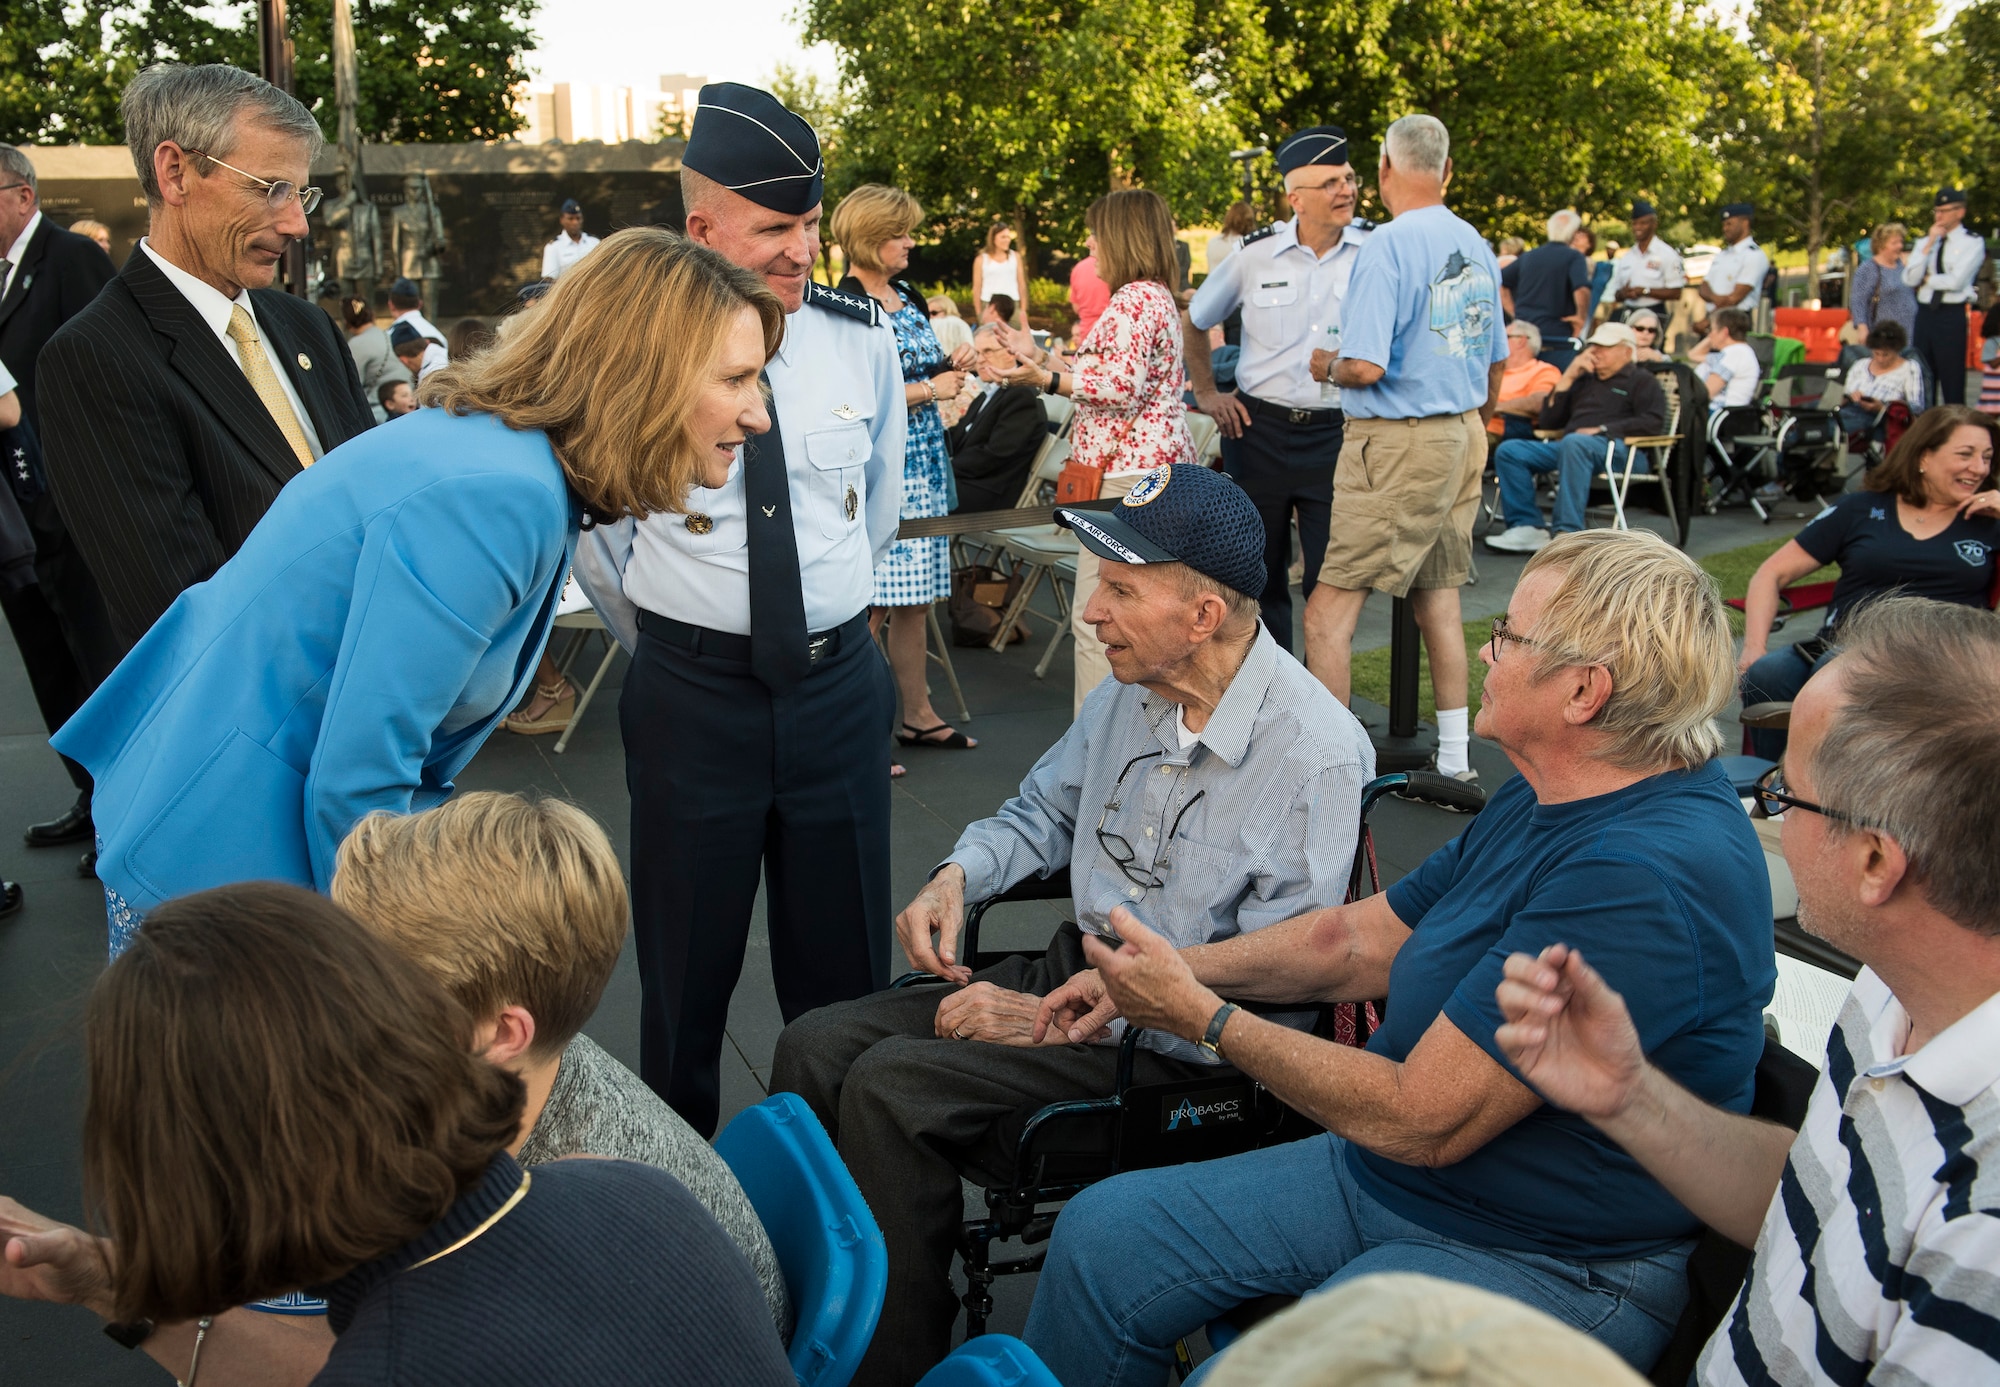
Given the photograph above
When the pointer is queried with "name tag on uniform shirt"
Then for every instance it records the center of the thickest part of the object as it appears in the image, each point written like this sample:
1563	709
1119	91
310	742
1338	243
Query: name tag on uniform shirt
1275	284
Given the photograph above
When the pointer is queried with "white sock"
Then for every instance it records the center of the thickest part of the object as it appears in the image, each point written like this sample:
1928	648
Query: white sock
1452	741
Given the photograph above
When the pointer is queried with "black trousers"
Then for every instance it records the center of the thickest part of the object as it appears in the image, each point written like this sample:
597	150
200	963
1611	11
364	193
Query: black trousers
909	1110
1940	341
61	627
1287	471
728	784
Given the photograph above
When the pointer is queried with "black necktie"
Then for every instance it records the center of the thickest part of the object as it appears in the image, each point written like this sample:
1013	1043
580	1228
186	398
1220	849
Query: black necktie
1937	267
777	602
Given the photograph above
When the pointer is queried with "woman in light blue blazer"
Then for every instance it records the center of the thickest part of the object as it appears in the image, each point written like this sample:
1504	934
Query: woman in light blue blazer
390	607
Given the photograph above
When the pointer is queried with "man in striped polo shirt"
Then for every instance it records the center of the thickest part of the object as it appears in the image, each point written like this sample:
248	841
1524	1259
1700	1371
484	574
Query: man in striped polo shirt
1877	1229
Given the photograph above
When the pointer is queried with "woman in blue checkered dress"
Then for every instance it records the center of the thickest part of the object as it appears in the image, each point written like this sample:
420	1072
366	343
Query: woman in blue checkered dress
873	225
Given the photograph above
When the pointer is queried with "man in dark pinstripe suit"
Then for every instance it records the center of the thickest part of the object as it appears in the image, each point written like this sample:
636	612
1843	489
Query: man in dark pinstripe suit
188	393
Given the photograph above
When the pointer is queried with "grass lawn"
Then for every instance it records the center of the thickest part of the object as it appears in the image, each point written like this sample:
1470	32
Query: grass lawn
1731	570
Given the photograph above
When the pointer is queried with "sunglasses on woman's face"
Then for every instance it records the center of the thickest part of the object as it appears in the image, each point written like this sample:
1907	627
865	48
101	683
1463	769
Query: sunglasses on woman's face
1649	331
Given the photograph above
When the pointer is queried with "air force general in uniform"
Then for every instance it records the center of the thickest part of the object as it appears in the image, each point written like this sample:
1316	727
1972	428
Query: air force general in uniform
757	710
1289	280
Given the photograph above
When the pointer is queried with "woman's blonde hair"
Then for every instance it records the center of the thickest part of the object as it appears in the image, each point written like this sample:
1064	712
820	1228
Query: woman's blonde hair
1135	238
1632	603
612	363
505	900
1885	231
868	216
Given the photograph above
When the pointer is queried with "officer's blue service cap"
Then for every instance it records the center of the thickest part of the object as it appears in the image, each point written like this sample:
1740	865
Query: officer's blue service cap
1642	208
746	140
1739	209
1316	144
571	207
405	289
528	293
1948	197
1180	513
403	335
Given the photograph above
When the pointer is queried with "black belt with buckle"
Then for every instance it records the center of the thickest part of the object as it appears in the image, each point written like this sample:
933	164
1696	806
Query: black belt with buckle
727	645
1264	409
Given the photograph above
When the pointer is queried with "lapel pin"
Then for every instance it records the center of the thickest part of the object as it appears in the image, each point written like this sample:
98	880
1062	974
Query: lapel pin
699	524
305	362
846	412
770	512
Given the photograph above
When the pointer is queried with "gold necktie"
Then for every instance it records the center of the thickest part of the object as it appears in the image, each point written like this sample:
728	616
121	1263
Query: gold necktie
264	380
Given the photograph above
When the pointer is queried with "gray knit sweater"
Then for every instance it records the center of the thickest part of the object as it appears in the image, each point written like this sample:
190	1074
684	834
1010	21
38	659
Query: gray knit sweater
598	1107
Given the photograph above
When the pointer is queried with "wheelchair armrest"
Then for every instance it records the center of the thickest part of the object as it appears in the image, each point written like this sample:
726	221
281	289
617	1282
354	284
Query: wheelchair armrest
1053	887
1773	717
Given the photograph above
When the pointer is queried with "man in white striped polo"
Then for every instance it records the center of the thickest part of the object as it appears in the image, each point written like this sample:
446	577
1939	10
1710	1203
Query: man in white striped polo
1877	1228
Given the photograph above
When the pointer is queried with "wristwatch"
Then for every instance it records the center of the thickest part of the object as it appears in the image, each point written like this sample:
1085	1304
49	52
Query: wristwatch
1054	387
1211	1039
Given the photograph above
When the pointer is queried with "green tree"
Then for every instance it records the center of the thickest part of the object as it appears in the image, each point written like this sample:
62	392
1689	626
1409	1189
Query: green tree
1030	110
58	81
1550	103
1845	118
1974	48
431	70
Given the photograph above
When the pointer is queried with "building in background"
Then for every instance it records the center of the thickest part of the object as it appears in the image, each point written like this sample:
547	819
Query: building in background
574	111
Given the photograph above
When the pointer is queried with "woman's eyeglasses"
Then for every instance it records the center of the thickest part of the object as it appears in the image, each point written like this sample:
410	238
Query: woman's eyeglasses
276	195
1119	850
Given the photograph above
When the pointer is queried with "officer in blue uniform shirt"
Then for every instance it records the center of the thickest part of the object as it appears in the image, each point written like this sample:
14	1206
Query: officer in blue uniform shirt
1941	268
757	710
1281	427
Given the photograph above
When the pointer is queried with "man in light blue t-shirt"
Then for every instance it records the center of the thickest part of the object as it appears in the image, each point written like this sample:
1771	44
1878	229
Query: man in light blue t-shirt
1422	350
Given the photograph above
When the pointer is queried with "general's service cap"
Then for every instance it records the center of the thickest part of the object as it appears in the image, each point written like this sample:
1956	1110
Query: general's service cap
1316	144
747	141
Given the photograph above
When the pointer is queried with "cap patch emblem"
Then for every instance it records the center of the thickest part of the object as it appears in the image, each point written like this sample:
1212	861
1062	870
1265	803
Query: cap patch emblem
1150	486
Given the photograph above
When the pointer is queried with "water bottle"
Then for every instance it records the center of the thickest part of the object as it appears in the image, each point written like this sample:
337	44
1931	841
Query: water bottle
1328	391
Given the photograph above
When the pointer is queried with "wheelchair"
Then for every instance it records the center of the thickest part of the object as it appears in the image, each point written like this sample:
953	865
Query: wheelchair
1792	436
1063	1147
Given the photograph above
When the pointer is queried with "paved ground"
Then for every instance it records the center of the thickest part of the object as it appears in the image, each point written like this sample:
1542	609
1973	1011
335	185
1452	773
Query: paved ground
51	951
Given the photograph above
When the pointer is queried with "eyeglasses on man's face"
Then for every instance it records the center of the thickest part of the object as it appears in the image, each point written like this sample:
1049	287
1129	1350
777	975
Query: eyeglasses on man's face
1774	799
1502	635
277	194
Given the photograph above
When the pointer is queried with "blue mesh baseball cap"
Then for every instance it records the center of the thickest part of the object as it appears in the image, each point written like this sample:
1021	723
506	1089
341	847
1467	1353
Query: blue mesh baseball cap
1181	513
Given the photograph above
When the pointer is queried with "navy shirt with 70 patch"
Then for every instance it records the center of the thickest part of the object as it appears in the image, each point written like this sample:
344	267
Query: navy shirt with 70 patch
1863	533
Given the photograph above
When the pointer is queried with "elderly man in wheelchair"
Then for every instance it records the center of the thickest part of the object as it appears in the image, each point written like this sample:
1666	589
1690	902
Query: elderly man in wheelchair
1211	784
1603	682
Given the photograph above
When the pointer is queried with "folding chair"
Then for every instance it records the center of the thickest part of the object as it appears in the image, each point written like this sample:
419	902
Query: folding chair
1037	552
1808	441
829	1247
1064	1147
582	623
1658	450
1742	441
1061	412
1207	436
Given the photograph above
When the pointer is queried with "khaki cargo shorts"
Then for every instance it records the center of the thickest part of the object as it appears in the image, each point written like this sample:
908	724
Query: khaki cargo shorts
1405	495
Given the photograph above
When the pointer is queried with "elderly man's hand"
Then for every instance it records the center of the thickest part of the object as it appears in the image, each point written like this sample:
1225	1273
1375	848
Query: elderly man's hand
1148	981
46	1260
1568	1033
1320	365
994	1015
1080	1009
1226	410
939	910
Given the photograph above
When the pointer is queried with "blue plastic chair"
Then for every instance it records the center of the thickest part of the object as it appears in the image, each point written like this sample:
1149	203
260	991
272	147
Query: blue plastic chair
991	1360
829	1247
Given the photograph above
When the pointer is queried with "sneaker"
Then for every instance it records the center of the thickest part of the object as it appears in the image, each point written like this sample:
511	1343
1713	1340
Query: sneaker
1519	539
